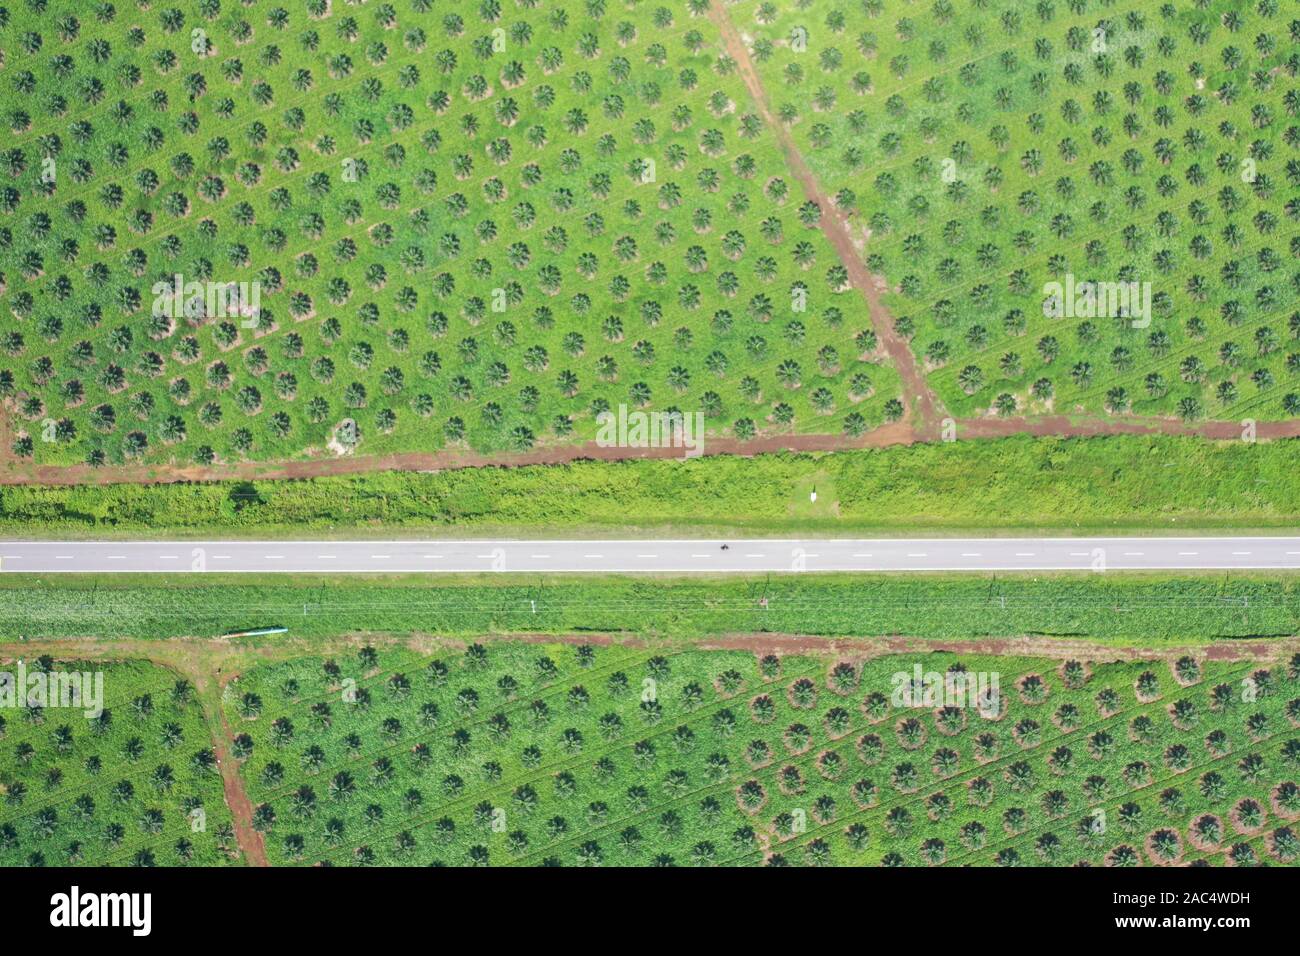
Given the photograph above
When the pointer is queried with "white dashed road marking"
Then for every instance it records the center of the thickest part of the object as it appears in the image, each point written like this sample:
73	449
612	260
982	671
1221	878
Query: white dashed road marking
1184	552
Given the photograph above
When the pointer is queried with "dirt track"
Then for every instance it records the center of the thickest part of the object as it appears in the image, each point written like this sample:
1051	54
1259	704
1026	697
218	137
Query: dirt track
241	808
918	398
1066	427
1028	646
895	433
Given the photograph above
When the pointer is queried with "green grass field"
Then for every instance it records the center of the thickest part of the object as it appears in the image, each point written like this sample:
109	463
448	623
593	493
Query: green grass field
563	755
990	148
1144	609
1016	484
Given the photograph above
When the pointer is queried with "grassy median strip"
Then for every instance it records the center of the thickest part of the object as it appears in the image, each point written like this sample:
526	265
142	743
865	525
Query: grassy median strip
1144	607
1126	482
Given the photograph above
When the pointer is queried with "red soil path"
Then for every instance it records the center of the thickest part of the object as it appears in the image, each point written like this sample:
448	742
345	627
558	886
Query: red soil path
918	398
1033	646
241	807
26	473
892	434
1065	426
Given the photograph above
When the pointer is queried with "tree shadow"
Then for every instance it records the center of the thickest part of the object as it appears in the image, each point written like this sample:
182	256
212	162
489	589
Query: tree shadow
244	494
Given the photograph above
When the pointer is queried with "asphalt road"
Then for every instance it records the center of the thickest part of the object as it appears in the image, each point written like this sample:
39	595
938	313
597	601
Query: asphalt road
652	556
